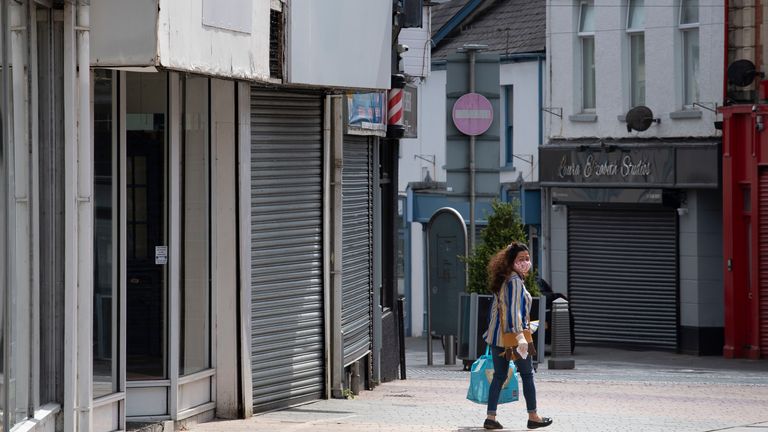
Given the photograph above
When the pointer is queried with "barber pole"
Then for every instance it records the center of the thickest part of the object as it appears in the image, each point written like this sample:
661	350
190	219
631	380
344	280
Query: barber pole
395	107
395	127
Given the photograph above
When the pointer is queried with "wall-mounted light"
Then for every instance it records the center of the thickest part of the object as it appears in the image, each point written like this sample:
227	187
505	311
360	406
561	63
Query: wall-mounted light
682	211
557	207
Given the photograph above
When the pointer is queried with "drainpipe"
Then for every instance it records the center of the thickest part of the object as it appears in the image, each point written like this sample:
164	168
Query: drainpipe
545	204
84	219
337	336
541	102
70	220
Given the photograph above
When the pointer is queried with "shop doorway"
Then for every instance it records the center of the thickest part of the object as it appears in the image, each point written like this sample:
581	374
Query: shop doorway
146	254
152	299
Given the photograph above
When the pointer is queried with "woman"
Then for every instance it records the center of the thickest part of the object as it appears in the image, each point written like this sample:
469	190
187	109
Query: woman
506	272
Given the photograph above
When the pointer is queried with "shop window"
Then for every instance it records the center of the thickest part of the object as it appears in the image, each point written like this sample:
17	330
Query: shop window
689	32
586	36
196	289
509	106
105	283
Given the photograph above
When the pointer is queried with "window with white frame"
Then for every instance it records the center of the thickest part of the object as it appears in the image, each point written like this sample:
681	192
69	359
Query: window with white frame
586	37
689	32
636	32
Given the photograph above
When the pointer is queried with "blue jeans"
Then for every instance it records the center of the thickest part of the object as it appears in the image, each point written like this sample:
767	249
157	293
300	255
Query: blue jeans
500	370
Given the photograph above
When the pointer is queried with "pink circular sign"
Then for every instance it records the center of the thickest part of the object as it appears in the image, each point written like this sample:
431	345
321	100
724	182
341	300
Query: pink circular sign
472	114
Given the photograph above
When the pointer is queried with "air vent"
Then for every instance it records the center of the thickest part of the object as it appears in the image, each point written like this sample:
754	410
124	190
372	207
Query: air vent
276	45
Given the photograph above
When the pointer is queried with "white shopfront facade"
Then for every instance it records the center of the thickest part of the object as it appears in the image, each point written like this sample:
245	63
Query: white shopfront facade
127	166
121	141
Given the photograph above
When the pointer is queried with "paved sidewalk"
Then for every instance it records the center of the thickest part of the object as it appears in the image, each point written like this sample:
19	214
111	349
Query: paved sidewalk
610	390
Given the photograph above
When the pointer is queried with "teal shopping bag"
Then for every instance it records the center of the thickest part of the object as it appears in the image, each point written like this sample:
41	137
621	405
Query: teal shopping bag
480	381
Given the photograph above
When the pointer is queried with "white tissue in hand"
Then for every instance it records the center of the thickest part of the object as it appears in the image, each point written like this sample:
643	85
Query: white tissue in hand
522	349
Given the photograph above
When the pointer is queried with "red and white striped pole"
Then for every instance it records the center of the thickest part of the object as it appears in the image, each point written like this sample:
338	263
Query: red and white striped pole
395	107
395	127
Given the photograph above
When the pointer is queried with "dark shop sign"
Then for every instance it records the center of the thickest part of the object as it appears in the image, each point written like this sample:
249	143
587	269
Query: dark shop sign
669	166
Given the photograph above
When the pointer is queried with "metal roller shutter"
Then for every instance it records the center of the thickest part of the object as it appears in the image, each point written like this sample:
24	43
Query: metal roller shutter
763	259
287	326
357	248
622	272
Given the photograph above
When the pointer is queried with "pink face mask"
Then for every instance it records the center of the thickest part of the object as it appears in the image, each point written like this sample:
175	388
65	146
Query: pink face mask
523	267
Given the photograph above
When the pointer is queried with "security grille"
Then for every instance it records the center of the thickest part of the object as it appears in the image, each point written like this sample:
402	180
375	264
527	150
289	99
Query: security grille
287	281
763	269
357	248
622	276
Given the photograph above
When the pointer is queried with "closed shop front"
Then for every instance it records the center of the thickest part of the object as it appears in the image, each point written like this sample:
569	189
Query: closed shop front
745	219
357	246
287	342
633	234
622	276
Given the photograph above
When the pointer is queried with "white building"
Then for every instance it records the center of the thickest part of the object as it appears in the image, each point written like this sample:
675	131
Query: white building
513	32
632	218
172	203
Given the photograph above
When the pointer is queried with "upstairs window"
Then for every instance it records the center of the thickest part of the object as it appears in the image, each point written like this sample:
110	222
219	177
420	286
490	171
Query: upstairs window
689	32
276	46
636	32
586	37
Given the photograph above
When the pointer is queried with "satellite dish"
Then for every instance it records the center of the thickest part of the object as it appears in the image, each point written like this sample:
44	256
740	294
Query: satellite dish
640	118
741	73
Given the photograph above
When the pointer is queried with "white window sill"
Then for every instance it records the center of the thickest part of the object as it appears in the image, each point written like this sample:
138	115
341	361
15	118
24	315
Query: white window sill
685	114
583	118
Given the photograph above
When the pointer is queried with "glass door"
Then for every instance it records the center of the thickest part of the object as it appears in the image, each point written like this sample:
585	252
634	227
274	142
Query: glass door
146	253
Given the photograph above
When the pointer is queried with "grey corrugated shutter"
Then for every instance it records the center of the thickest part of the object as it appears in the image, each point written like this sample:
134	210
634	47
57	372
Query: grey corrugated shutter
357	248
763	259
287	281
622	272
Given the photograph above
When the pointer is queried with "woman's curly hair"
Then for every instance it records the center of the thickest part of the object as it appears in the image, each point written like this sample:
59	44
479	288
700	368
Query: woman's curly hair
501	265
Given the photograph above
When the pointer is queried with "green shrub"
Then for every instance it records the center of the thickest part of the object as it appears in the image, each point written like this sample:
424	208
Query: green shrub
504	226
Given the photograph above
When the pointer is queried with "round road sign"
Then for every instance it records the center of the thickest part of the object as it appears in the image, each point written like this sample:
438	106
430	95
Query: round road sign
472	114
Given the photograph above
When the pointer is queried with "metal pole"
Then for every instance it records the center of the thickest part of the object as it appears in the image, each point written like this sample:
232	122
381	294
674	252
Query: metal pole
429	305
84	181
472	198
401	334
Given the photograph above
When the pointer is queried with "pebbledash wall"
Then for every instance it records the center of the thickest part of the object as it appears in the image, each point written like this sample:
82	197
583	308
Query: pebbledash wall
600	233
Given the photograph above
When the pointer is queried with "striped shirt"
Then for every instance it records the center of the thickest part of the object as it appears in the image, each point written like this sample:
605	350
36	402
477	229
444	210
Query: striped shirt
514	300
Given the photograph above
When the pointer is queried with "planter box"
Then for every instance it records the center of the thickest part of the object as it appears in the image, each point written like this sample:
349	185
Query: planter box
474	313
